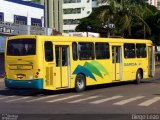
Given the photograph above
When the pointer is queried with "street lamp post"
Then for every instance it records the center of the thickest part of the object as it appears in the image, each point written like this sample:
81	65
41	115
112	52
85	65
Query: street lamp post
88	29
108	25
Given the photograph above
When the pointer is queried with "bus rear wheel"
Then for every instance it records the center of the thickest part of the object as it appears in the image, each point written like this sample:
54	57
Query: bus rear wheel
138	77
80	83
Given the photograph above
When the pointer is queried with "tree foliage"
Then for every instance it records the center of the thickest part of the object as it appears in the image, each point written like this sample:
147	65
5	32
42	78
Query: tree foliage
132	19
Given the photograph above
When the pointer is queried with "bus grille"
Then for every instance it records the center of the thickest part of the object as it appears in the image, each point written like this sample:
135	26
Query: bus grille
49	76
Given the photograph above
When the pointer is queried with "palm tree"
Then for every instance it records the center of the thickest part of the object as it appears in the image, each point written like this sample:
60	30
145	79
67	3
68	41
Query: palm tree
124	12
141	11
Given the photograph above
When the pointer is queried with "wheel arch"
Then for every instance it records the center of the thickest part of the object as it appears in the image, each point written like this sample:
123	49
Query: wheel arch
81	74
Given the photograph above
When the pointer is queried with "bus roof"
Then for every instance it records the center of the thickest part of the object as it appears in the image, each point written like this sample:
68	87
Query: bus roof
81	39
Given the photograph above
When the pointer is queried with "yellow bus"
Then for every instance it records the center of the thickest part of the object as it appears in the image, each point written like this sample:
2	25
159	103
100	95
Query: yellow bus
59	62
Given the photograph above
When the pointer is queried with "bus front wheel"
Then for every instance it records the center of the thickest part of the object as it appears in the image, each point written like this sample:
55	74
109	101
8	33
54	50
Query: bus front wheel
80	83
138	77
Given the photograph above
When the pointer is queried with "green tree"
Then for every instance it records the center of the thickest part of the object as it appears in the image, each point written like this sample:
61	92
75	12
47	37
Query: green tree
154	23
92	23
121	13
125	11
136	20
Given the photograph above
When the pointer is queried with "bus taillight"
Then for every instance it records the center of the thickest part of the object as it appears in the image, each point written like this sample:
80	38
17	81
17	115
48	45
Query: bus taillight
37	73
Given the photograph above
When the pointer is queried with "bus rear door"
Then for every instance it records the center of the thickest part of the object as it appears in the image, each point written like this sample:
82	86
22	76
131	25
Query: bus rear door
62	66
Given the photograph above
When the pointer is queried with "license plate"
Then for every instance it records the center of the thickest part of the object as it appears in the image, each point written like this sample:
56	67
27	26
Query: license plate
20	76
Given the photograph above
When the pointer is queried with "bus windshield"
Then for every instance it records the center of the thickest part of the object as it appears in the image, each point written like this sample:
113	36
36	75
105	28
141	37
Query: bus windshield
21	47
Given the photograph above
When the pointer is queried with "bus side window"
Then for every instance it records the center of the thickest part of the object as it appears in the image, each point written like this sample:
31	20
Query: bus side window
102	50
86	50
141	50
64	56
74	51
48	51
129	50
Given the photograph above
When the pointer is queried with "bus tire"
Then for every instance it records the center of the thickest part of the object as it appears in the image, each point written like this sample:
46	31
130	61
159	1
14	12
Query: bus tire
138	77
80	83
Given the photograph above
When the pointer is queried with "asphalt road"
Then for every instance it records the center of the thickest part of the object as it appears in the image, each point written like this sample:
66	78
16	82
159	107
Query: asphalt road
111	101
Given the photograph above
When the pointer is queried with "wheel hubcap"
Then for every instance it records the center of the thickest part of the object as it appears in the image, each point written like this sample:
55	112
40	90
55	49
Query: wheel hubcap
139	76
80	83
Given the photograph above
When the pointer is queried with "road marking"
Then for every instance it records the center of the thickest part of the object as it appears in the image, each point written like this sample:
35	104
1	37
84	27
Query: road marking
42	98
5	97
128	100
80	100
60	99
149	102
106	99
17	99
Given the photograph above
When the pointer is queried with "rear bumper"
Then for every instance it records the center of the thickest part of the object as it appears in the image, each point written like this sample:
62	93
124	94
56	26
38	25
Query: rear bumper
32	84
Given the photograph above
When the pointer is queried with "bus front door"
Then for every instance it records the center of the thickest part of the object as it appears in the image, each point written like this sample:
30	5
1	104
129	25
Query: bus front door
117	63
151	61
62	66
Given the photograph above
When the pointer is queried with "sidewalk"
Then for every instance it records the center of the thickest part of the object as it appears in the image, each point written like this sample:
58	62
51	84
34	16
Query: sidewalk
157	73
1	80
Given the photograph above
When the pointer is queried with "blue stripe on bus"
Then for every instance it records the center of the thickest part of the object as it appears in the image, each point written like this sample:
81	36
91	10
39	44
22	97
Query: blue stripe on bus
35	84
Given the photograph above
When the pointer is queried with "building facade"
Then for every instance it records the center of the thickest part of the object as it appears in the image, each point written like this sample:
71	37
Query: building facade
153	2
18	17
41	2
158	4
21	12
54	14
74	10
64	15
